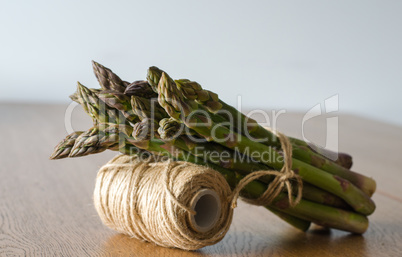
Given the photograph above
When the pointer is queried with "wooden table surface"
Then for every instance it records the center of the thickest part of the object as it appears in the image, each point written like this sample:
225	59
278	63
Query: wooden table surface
46	206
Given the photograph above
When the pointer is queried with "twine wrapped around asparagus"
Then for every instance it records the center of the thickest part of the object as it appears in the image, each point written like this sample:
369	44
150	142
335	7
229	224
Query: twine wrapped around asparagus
180	120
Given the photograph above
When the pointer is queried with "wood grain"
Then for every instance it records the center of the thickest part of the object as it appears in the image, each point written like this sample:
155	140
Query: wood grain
46	206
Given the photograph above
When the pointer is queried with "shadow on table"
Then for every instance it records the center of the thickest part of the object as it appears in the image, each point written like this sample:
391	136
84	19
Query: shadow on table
318	241
322	241
123	245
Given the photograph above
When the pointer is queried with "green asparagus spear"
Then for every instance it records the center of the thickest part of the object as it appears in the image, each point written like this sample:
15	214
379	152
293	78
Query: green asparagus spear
147	108
343	159
140	88
107	79
63	149
366	184
98	110
120	102
153	76
93	141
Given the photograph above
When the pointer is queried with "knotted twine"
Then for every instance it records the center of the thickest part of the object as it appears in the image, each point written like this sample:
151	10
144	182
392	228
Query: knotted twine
150	200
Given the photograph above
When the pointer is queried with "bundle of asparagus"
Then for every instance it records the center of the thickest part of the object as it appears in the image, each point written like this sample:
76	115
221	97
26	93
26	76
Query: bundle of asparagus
180	120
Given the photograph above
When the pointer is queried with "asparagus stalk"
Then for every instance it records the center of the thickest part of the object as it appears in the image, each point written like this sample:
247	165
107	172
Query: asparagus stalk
89	142
345	160
86	98
183	109
153	76
140	88
129	149
146	108
96	109
367	185
107	79
63	149
84	143
120	102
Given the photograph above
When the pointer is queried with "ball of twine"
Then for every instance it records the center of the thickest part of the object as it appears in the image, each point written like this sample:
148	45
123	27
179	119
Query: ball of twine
149	201
156	201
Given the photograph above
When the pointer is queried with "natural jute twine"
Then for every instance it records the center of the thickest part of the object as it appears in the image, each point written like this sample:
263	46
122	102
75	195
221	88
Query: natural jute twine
151	200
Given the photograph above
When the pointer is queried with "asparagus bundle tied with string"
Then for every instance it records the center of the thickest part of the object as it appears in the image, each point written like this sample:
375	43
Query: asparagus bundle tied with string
180	120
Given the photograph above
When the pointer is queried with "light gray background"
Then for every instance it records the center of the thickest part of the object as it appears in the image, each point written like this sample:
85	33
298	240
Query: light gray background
276	54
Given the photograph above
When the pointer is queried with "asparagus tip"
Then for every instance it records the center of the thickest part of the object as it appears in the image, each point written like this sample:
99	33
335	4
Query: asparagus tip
95	64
